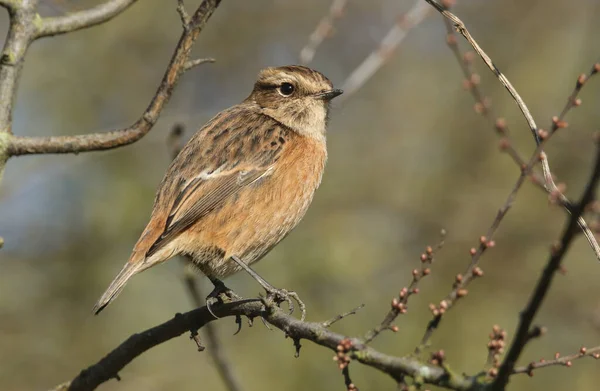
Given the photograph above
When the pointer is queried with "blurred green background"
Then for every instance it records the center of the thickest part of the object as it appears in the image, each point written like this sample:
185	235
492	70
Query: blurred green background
407	157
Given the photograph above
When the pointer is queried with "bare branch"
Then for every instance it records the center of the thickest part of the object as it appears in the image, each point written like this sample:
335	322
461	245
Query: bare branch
102	141
461	28
323	30
549	183
400	304
194	63
82	19
396	367
339	317
566	361
21	31
543	285
10	5
390	42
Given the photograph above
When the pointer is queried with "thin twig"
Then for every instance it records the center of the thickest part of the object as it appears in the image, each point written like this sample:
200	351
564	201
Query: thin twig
460	27
323	30
462	280
539	293
183	15
459	288
194	63
482	103
82	19
339	317
549	181
559	360
549	184
399	304
118	138
350	386
390	42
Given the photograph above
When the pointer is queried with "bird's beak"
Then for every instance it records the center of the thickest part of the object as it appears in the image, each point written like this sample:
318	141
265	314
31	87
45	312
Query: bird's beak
329	95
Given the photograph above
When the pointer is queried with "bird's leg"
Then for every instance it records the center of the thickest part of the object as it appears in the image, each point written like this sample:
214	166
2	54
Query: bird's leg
279	295
214	296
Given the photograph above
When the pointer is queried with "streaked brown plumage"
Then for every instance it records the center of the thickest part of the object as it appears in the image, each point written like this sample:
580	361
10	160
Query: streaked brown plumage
242	182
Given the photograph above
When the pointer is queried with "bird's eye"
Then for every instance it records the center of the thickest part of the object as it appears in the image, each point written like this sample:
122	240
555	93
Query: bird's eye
286	89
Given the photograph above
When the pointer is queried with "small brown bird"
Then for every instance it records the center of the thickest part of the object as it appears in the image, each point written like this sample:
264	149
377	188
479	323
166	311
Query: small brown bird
242	182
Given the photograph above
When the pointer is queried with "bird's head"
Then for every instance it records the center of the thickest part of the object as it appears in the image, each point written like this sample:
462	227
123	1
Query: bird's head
296	96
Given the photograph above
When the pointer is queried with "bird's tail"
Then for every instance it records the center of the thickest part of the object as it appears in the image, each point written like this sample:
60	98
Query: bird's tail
116	286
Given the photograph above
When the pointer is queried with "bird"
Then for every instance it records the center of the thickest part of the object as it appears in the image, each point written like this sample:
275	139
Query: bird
241	183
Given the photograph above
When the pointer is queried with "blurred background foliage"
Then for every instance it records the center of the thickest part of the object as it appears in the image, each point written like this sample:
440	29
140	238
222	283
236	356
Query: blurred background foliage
407	157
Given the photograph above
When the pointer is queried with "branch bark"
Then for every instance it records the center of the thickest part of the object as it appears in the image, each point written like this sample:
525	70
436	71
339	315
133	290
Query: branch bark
396	367
21	32
9	4
82	19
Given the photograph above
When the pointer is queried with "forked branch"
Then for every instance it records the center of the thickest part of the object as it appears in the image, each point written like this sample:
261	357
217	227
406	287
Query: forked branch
522	335
117	138
549	184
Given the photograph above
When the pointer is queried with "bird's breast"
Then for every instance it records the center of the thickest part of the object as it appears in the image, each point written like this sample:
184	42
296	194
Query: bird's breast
258	217
281	200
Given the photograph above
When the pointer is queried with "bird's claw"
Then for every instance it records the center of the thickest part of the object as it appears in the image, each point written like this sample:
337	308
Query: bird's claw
280	295
220	294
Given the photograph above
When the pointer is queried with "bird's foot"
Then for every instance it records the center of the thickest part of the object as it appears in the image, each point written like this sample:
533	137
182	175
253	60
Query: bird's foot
280	295
219	294
275	294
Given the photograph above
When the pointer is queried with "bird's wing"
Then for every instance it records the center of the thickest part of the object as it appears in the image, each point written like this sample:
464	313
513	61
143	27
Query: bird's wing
234	150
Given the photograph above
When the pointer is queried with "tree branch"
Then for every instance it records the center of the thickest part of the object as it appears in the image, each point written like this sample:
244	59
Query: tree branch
549	183
82	19
522	335
21	31
117	138
379	56
324	29
10	5
396	367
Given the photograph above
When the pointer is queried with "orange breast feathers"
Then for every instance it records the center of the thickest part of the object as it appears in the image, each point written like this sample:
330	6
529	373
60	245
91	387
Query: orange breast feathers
251	223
